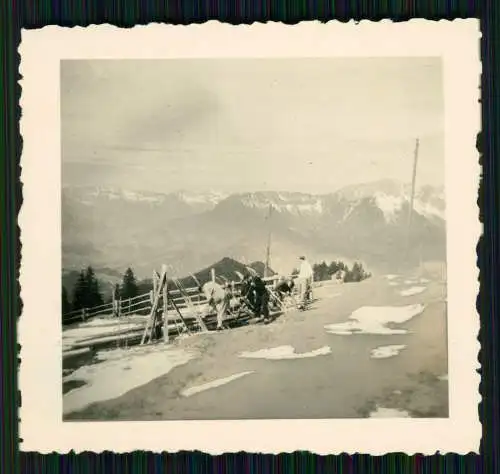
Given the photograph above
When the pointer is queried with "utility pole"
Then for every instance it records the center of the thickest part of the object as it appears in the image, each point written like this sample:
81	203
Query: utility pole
268	248
412	197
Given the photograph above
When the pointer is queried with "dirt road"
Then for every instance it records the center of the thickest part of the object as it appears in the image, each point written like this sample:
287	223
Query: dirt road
345	383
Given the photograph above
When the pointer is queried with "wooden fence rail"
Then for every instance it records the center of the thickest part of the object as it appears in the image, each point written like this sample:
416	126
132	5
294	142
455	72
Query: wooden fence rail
142	303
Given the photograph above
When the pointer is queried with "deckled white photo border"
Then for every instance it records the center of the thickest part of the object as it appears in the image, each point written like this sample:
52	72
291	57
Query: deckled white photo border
41	425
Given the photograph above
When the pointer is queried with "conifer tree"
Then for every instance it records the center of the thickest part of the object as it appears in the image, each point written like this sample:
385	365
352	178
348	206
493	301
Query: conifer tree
333	268
80	292
320	271
93	297
357	273
86	293
129	287
65	304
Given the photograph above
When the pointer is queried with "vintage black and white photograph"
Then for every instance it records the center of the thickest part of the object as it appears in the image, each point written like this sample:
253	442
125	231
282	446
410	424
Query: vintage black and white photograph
250	245
253	239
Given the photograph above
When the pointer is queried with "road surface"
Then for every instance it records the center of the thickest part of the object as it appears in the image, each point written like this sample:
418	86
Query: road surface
346	383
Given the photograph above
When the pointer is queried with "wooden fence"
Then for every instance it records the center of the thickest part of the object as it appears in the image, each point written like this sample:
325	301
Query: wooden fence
142	304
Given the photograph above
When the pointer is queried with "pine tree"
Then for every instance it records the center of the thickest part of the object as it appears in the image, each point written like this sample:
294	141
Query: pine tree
320	271
333	268
65	304
96	295
86	293
356	274
80	292
129	287
93	296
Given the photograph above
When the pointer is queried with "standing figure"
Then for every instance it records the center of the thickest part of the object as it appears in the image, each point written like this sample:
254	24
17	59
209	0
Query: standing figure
223	306
305	281
247	292
219	299
261	299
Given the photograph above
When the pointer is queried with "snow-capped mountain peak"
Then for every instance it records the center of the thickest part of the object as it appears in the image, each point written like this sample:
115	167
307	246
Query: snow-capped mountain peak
389	205
392	198
92	193
201	198
285	202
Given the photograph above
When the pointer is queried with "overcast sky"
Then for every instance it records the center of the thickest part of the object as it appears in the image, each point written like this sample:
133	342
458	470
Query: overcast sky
310	125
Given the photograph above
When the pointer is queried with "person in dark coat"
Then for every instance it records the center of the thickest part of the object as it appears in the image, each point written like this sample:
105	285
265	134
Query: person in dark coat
284	287
261	299
247	292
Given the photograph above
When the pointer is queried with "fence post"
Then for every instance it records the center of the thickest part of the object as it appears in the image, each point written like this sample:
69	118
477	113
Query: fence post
165	307
212	272
83	314
155	283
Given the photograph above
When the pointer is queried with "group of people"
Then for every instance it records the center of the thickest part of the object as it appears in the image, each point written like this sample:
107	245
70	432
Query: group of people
255	295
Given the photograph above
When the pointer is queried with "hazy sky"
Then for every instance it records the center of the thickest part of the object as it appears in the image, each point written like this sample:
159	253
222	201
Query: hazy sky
309	125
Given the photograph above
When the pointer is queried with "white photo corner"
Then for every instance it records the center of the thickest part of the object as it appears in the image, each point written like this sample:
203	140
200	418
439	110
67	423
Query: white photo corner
258	238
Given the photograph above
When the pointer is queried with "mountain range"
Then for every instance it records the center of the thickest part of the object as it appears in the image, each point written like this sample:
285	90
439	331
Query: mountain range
114	228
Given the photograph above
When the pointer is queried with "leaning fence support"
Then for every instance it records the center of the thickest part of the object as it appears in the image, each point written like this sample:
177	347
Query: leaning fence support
189	304
155	282
152	321
165	307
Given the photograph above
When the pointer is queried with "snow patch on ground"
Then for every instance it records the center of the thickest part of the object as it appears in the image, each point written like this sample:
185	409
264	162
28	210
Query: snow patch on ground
414	290
98	327
97	322
77	352
391	277
393	283
85	332
381	412
214	384
106	321
120	371
284	352
374	320
383	352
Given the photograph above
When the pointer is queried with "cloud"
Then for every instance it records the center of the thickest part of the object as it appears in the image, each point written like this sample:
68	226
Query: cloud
299	123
